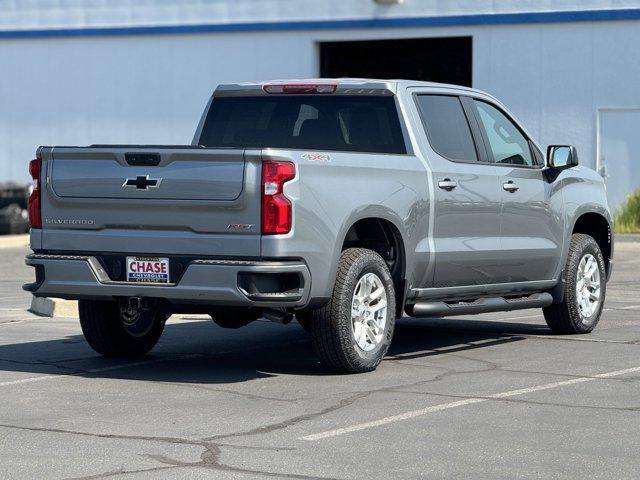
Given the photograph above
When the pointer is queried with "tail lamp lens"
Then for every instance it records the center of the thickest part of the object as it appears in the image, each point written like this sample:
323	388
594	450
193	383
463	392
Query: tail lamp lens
276	207
33	205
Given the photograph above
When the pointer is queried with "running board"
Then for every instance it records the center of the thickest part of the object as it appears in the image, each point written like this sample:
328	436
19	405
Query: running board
480	305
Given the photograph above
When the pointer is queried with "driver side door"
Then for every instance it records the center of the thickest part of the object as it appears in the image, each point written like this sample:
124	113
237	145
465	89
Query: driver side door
531	221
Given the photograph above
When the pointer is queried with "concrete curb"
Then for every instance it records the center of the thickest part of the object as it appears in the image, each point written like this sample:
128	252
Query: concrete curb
54	307
12	241
627	237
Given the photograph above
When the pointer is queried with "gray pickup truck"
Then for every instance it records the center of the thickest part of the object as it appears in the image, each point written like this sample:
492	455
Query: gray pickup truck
343	203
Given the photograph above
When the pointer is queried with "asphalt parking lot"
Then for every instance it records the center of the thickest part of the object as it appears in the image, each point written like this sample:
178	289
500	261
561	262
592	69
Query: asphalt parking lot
491	396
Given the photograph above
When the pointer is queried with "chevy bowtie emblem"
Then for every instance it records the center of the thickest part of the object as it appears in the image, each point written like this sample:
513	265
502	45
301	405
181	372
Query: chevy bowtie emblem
142	182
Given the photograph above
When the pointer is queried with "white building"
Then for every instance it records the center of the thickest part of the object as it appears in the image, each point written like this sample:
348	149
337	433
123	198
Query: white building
140	71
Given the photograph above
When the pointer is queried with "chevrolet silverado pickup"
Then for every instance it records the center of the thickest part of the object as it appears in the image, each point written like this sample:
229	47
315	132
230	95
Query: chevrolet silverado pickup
343	203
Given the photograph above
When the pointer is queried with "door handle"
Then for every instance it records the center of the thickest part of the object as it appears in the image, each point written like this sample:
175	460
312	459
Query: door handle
447	184
510	186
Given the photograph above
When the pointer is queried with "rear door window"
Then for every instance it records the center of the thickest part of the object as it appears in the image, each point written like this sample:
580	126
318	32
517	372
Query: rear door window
447	127
318	122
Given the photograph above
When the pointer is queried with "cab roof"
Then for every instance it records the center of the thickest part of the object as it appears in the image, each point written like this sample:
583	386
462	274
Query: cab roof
345	86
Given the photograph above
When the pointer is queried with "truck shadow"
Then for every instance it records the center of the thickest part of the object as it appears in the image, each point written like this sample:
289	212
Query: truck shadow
418	338
199	352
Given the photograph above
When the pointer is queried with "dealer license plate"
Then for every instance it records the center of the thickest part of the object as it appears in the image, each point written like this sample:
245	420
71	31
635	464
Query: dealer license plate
148	269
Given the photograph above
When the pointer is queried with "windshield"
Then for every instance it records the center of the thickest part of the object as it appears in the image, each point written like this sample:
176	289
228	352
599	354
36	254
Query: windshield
318	122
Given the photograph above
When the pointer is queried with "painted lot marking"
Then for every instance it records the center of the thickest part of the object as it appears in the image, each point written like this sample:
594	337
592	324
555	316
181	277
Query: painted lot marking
606	309
189	356
628	307
460	403
94	370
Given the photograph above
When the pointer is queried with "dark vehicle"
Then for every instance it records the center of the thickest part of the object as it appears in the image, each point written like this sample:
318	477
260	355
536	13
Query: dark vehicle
13	208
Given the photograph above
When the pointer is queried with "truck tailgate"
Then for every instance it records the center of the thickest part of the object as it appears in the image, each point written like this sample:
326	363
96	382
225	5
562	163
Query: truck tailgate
195	174
162	200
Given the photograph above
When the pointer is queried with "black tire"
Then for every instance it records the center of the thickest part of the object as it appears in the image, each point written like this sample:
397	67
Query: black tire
105	333
331	327
567	317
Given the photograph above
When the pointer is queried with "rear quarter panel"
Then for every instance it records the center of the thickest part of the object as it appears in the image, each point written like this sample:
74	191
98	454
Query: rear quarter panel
329	196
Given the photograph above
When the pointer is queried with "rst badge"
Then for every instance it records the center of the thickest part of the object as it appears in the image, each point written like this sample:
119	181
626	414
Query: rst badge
317	157
239	226
148	269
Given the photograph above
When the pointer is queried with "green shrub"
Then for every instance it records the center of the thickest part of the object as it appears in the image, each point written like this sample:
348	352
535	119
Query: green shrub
627	217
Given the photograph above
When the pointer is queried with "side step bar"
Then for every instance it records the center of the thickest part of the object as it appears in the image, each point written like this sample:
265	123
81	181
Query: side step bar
480	305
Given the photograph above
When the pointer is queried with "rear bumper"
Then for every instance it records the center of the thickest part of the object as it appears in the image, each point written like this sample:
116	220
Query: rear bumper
204	282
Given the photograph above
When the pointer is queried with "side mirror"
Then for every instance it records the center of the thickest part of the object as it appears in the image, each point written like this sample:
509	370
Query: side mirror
561	157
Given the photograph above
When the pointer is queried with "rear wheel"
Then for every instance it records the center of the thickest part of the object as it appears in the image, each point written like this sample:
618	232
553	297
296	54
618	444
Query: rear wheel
352	333
115	333
584	289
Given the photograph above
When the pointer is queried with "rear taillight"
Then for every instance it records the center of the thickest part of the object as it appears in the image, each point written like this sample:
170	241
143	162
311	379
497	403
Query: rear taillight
276	208
300	88
35	217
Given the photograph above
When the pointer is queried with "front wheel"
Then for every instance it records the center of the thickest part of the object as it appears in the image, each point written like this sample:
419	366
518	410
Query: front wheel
352	333
584	278
114	333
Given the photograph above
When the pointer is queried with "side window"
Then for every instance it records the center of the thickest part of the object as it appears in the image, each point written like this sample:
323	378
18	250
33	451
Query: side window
507	143
447	128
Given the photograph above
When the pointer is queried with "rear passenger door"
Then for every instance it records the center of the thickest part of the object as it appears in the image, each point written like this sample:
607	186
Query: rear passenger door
467	196
531	219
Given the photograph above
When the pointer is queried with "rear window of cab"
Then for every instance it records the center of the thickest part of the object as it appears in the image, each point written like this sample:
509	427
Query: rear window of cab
316	122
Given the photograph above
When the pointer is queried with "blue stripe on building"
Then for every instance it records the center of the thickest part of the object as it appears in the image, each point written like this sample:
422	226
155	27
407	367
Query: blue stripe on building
399	22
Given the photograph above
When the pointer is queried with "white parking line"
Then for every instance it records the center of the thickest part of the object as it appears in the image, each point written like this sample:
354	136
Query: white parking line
606	309
460	403
573	338
94	370
143	362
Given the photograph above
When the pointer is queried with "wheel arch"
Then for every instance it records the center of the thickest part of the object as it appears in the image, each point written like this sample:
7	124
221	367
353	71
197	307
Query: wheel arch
598	227
381	234
596	223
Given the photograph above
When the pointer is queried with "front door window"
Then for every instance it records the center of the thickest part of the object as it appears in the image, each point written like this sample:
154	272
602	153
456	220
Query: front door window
506	142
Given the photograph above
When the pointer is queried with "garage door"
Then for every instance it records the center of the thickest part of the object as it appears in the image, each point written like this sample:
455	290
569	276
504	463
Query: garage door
619	152
445	60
